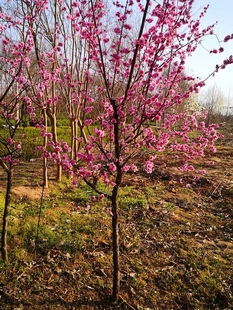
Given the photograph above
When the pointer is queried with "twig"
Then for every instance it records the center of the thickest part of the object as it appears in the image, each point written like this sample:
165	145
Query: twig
125	302
218	185
25	271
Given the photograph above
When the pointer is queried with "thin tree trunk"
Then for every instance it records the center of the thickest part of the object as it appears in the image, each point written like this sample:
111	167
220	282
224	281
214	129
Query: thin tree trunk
45	173
74	135
115	246
52	115
114	200
55	140
72	125
45	165
4	249
82	132
75	145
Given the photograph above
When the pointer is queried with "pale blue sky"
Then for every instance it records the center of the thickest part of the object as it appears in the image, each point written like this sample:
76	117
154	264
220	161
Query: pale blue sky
202	62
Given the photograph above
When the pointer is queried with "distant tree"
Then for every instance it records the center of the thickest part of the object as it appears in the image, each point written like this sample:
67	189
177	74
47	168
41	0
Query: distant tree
74	60
214	102
44	69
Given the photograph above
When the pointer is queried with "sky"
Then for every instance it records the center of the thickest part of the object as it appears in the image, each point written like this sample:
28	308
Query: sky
202	63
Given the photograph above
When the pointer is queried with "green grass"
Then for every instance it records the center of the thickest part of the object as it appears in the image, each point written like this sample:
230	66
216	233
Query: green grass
2	200
30	138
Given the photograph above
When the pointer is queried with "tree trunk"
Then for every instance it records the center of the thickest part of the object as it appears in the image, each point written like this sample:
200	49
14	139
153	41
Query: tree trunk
114	200
74	135
53	121
4	249
45	173
45	164
115	246
76	123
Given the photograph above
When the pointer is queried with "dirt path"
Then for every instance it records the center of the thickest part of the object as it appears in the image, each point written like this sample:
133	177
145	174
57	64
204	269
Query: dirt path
27	179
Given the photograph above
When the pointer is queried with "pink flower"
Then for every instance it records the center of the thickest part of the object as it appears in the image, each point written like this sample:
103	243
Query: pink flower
117	30
11	141
101	196
88	122
134	168
214	51
99	133
127	26
112	167
149	166
108	210
227	38
221	50
5	41
126	168
88	109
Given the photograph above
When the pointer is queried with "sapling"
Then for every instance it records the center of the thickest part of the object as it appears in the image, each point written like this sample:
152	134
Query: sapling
140	68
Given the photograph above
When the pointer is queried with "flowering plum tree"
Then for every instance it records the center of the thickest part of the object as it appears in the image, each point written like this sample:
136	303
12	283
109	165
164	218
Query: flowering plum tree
136	94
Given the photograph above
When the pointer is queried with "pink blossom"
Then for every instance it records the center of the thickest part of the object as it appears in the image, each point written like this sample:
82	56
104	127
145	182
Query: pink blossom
11	141
125	168
88	109
100	197
108	210
112	167
149	166
127	26
221	49
213	149
214	51
88	122
117	30
7	159
99	133
134	168
227	38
